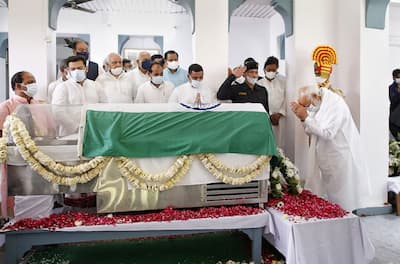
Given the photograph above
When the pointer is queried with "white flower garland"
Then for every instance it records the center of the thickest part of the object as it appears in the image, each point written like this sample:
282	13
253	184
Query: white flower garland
48	168
159	182
4	141
216	171
58	173
218	164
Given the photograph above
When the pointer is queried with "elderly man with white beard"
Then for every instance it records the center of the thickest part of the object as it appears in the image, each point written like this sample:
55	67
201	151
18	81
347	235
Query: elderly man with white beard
338	170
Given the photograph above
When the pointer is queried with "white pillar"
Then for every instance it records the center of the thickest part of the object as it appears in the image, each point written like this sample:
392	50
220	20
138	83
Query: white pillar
211	40
308	33
374	107
32	45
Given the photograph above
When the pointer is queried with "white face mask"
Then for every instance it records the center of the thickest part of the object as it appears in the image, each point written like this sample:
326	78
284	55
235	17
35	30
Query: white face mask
78	75
240	80
196	84
116	71
319	80
314	106
173	65
157	79
31	89
251	80
270	75
397	80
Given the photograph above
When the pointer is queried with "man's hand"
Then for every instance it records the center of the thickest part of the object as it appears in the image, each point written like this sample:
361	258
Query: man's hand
275	119
239	71
197	100
299	110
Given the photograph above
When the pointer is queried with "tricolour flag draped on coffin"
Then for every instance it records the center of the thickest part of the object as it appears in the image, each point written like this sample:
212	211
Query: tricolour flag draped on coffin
161	130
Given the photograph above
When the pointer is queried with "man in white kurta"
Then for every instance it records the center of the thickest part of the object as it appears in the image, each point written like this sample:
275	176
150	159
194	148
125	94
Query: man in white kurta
340	171
46	93
140	74
115	86
156	90
276	88
77	90
193	93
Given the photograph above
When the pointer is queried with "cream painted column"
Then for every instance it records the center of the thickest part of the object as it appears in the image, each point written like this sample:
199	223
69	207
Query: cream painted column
32	44
374	105
210	40
309	31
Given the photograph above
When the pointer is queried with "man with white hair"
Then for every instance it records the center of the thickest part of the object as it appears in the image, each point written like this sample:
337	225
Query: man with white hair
338	170
115	86
140	74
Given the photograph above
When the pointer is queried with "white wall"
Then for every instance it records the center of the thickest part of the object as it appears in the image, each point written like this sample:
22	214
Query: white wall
104	29
394	37
277	28
31	43
249	37
211	40
3	19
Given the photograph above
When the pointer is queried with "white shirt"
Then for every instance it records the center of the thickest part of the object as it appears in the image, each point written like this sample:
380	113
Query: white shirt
45	93
276	94
71	92
50	89
115	89
138	78
149	93
187	94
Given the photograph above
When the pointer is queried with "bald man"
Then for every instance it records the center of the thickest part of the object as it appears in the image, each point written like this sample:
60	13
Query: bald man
140	74
115	85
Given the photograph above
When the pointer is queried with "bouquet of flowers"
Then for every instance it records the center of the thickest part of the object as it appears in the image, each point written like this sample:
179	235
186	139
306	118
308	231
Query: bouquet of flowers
283	171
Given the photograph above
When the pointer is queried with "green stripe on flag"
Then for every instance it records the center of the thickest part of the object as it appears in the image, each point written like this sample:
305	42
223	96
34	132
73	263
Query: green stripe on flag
164	134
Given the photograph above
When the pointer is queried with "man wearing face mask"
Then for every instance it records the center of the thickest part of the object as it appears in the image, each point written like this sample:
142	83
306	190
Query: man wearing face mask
247	92
115	86
157	90
394	96
77	90
276	88
174	73
81	48
25	87
337	169
140	74
193	93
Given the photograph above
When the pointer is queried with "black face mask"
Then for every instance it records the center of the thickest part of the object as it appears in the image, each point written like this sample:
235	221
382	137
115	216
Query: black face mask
84	54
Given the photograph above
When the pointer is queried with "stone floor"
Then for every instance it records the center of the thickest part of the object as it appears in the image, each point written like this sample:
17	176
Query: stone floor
383	230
